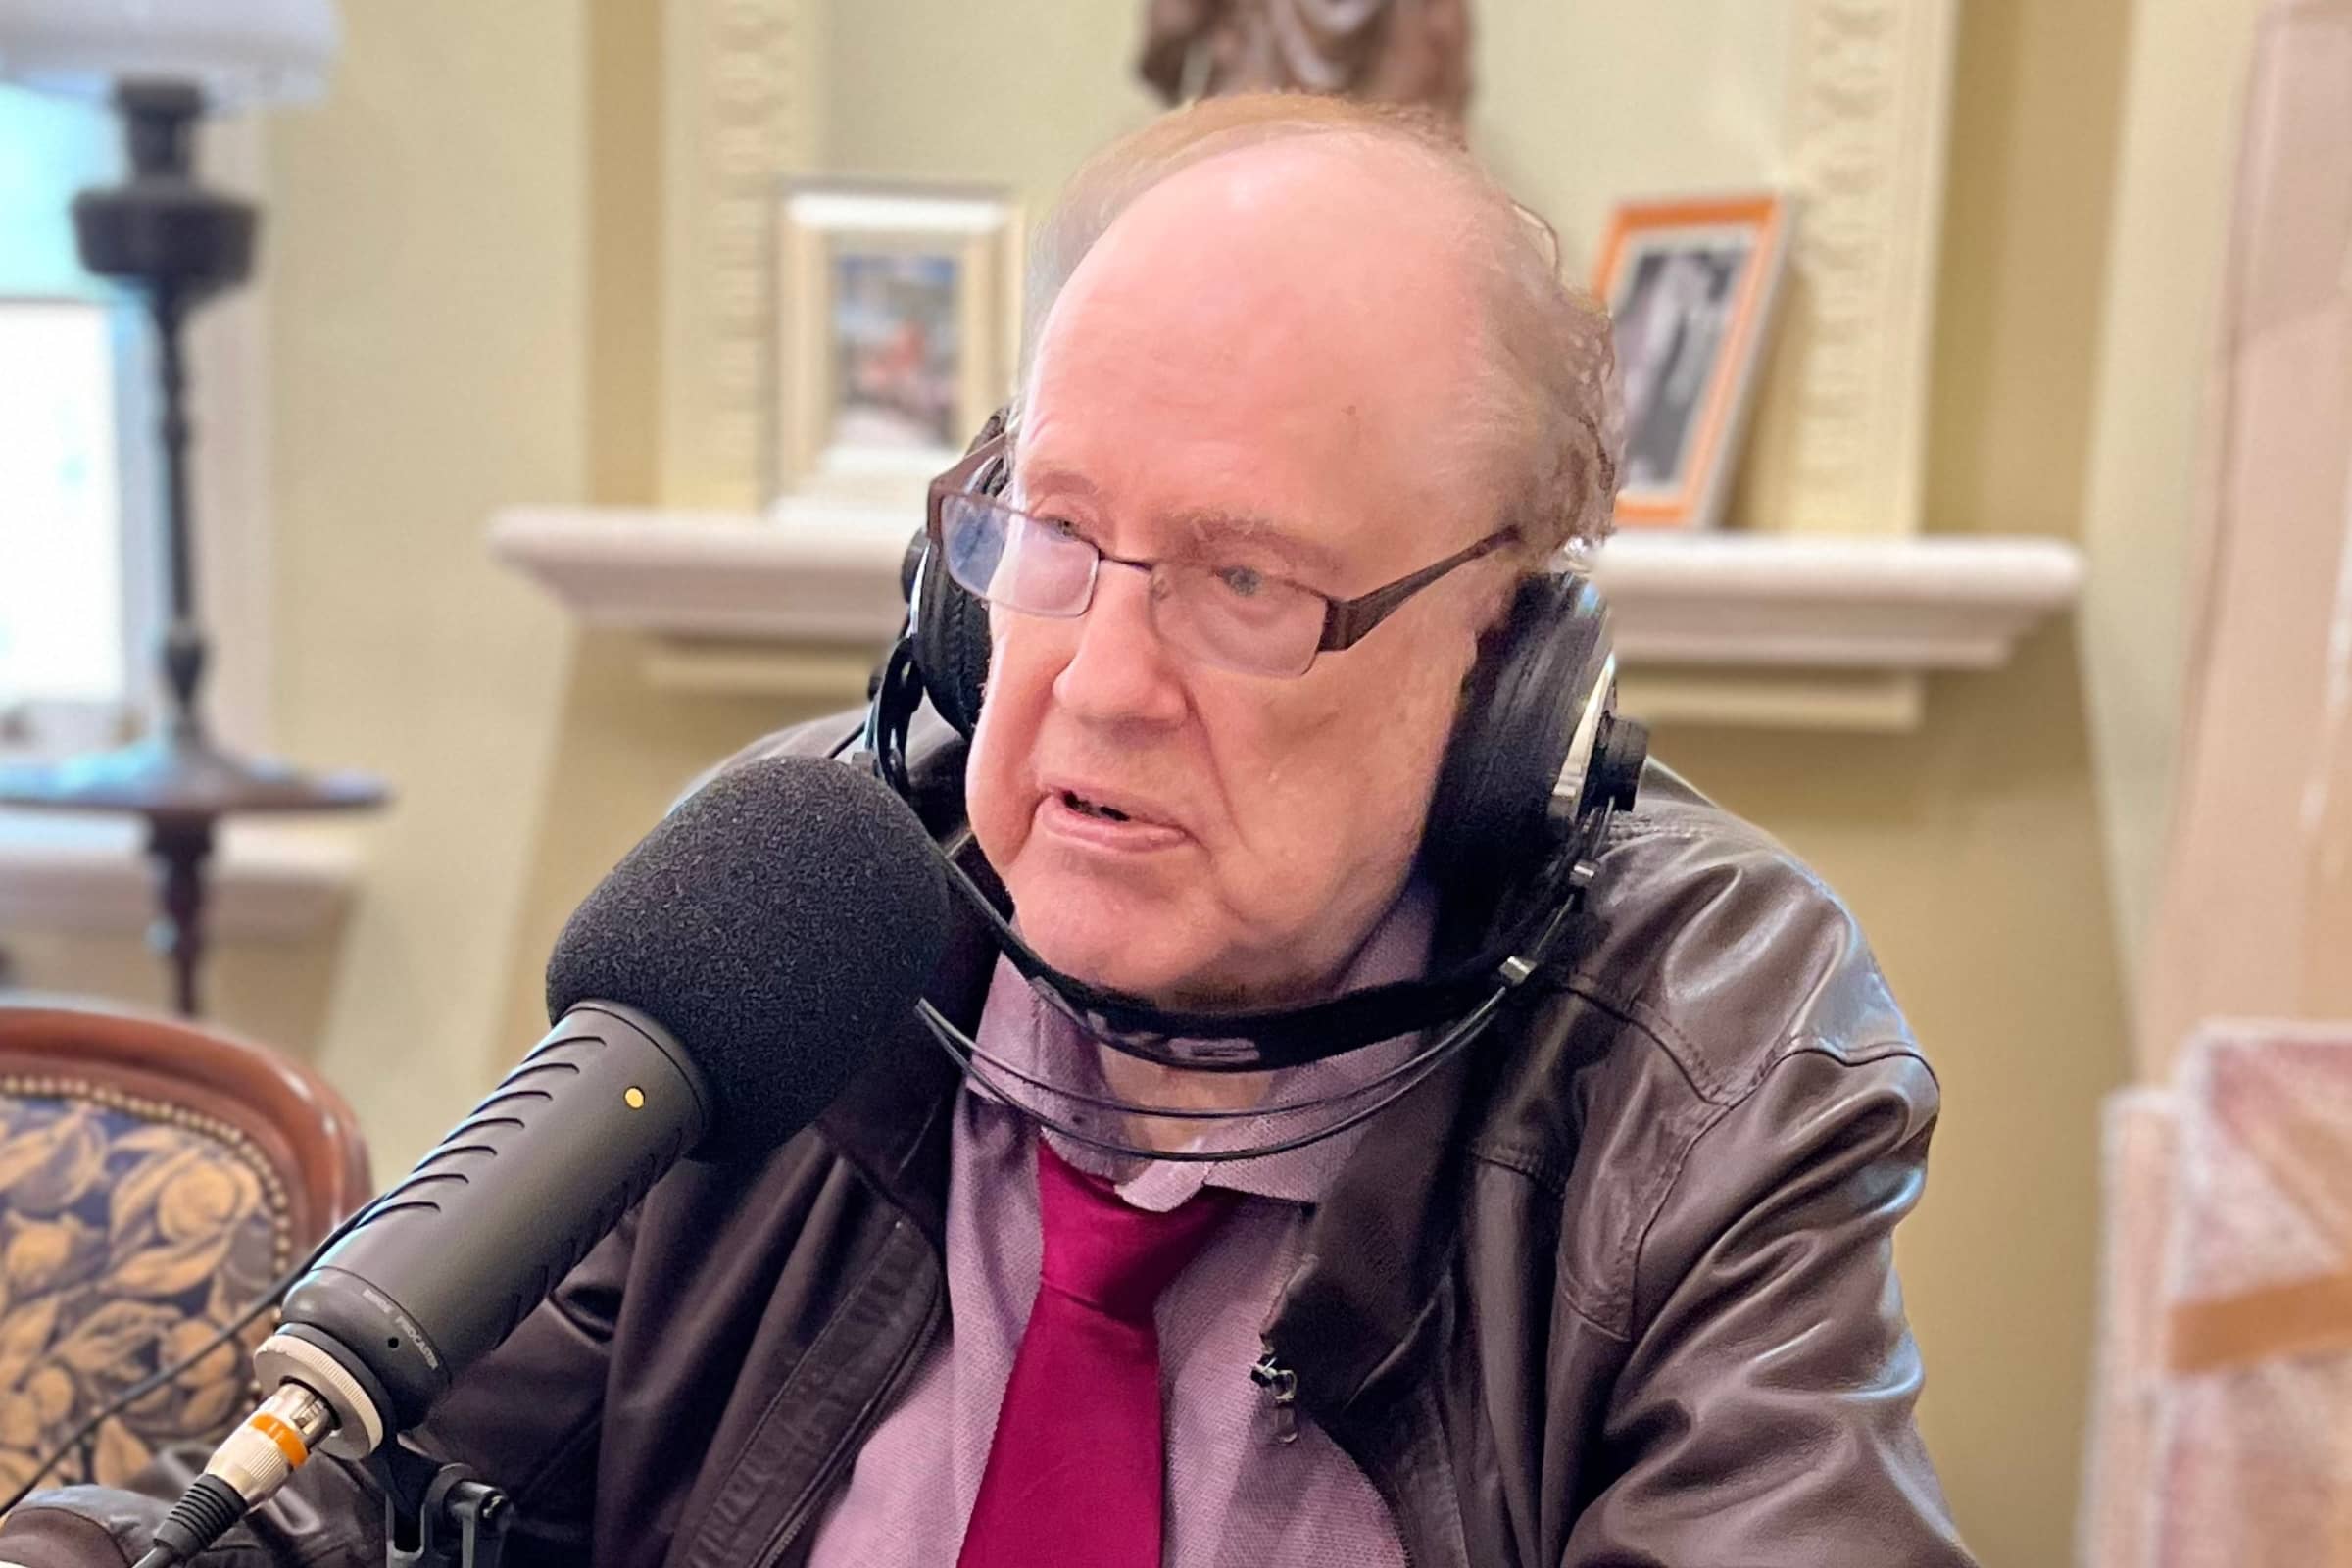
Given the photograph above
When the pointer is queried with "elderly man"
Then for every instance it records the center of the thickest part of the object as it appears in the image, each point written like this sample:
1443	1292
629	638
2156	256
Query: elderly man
1612	1286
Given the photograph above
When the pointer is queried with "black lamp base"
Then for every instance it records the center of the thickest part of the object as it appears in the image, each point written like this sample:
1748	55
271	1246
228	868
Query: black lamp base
177	244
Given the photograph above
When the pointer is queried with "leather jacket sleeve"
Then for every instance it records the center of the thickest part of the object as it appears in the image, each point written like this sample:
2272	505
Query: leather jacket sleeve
1764	1415
526	1417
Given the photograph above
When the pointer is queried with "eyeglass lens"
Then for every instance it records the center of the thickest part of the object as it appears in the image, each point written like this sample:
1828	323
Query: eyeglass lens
1230	615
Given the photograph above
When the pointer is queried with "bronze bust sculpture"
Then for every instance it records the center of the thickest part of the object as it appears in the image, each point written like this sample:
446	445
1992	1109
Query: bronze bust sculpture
1388	51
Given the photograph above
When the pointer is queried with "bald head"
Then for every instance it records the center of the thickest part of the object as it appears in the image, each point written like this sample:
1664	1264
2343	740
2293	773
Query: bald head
1321	288
1420	268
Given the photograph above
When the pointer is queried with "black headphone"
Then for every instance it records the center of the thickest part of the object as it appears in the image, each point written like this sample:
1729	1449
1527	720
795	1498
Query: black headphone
1536	758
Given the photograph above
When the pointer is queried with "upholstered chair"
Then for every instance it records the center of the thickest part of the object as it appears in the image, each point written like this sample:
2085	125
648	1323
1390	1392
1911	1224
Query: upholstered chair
156	1176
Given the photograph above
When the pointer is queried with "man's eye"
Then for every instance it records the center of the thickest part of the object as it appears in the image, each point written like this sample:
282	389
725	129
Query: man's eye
1060	528
1242	583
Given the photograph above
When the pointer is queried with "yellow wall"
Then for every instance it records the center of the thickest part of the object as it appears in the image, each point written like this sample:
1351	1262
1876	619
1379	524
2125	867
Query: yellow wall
428	291
2186	80
465	256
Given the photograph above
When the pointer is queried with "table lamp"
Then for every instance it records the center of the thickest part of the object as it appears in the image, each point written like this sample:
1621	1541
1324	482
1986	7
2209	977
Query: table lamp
176	244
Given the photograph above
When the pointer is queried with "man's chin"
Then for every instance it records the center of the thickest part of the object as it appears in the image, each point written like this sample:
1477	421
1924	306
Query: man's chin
1105	938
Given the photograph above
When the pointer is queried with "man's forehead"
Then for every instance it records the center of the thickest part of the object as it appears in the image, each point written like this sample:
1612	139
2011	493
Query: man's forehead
1233	350
1279	240
1202	524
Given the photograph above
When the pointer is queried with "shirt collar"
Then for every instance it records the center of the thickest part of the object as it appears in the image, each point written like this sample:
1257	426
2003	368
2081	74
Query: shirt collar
1019	1027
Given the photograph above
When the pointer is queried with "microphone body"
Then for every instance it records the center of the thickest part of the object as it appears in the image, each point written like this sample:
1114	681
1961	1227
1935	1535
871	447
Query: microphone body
444	1265
712	997
439	1269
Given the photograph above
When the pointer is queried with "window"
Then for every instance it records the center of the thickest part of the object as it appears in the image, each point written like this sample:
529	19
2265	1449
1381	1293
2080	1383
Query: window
76	450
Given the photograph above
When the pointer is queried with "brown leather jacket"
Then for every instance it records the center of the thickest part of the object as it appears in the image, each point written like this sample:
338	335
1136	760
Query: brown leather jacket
1618	1289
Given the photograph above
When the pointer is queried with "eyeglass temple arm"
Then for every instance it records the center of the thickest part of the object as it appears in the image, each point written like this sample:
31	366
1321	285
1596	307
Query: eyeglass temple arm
1346	623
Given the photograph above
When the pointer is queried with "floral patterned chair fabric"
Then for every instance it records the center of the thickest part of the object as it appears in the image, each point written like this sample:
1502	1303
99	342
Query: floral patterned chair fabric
155	1178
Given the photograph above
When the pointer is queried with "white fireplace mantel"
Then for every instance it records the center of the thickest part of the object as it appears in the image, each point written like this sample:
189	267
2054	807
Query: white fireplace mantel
1784	629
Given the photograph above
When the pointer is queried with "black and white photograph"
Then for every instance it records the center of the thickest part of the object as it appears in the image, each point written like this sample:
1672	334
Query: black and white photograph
1671	321
1690	285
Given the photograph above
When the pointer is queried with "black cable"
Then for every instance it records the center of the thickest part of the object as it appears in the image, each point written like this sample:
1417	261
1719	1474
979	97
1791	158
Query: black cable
1454	1042
149	1384
163	1375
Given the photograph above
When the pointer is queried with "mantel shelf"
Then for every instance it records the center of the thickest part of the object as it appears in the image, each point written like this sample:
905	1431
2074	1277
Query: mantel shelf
281	882
1841	613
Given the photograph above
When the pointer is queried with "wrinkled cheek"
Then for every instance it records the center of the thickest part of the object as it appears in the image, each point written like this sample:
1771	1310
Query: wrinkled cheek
996	785
1343	824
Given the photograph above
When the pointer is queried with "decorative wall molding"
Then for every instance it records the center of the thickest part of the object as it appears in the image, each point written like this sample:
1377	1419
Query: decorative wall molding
740	110
714	575
1838	445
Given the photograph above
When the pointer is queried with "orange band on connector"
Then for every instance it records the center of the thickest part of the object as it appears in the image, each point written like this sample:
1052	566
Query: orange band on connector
289	1442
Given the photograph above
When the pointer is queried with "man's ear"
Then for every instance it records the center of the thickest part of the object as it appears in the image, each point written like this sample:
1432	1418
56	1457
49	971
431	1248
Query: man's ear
1497	589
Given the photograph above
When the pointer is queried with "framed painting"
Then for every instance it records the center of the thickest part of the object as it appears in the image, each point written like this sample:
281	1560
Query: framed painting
897	329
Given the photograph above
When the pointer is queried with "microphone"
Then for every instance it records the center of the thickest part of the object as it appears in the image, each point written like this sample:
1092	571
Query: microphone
710	997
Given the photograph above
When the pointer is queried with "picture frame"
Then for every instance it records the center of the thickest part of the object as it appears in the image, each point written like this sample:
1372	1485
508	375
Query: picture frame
1689	283
897	313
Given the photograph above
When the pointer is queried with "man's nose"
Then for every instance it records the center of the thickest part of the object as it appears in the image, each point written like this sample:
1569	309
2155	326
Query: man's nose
1120	671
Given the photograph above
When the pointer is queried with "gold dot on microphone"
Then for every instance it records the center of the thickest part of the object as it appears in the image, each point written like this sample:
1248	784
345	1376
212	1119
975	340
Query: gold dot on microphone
634	1096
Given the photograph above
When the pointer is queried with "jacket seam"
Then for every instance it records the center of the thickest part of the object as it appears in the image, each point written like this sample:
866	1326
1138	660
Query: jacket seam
1612	1306
1607	1331
1542	1173
786	1386
1712	1087
1787	1051
1638	1015
1882	1049
1722	1099
1629	1258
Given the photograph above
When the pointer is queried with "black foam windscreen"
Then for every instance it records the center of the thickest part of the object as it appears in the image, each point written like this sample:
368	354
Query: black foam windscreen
777	923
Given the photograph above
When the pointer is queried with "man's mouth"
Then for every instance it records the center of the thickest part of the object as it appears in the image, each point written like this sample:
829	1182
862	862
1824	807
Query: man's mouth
1105	822
1094	809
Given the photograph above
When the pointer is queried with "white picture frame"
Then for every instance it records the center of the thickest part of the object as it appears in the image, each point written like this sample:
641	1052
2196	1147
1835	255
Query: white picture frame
897	329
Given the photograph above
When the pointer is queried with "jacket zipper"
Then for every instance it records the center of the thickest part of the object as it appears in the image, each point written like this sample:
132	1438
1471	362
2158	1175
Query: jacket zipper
789	1529
1279	1380
1281	1384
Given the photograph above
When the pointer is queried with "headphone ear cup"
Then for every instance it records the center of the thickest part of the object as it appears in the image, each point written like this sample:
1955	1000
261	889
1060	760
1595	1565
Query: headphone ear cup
1537	671
949	621
950	645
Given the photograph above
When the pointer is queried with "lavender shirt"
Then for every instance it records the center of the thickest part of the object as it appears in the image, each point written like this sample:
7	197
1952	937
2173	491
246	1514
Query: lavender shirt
1238	1497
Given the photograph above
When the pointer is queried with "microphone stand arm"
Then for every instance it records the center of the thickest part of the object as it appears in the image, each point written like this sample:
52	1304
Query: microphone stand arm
438	1516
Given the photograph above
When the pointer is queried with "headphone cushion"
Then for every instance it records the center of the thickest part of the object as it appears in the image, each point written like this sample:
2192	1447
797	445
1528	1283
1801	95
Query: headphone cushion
951	645
951	622
1521	708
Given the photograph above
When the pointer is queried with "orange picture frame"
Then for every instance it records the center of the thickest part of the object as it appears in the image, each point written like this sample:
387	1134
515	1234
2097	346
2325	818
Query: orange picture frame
1689	283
